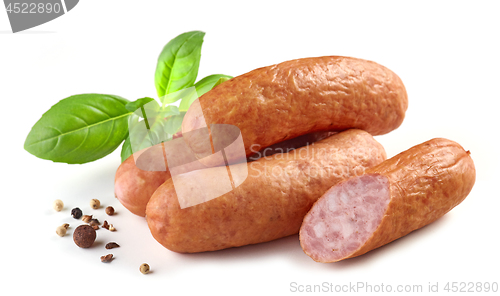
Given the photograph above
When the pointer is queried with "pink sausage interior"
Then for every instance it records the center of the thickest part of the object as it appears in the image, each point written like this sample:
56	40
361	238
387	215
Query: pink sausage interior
345	217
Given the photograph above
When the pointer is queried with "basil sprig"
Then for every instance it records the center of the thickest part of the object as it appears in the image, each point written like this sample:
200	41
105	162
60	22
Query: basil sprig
207	83
178	63
80	129
83	128
126	150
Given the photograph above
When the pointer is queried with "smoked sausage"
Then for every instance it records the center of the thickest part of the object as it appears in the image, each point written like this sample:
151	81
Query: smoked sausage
269	204
287	100
134	186
400	195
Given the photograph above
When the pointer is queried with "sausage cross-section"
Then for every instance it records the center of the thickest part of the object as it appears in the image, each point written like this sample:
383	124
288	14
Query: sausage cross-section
400	195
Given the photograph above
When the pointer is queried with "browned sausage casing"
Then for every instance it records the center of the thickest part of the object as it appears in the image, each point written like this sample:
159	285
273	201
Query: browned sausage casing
137	179
402	194
283	101
269	204
134	186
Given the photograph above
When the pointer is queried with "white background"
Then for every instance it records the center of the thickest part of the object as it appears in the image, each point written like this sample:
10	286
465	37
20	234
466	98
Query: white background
445	52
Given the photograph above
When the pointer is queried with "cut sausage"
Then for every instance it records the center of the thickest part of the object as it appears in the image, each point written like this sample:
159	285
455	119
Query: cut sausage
287	100
269	204
402	194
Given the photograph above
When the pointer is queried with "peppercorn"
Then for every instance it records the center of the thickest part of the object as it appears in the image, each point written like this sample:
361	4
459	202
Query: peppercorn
58	205
110	210
106	259
144	268
84	236
95	204
87	218
76	213
61	230
111	245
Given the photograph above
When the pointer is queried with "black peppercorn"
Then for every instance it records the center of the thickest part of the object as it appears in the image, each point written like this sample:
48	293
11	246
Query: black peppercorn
76	213
110	211
108	258
111	245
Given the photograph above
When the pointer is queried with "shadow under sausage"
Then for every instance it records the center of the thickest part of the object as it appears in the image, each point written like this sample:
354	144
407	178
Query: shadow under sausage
284	247
289	247
386	250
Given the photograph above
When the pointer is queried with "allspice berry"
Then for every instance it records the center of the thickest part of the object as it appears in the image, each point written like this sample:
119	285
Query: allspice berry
110	210
84	236
58	205
95	204
144	268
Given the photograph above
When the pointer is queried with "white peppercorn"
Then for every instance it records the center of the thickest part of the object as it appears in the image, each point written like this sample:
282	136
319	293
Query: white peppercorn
95	204
58	205
61	230
144	268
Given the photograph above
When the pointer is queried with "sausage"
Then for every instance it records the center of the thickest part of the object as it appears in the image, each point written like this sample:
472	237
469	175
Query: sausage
280	103
269	204
134	186
402	194
138	177
288	145
287	100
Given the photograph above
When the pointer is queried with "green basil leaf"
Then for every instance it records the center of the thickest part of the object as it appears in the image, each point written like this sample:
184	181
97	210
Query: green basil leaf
180	94
156	128
149	109
221	80
126	149
178	63
207	83
173	124
80	129
142	136
189	95
146	125
170	111
132	106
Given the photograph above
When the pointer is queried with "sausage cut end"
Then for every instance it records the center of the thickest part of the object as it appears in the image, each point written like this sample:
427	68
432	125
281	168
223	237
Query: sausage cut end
345	218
